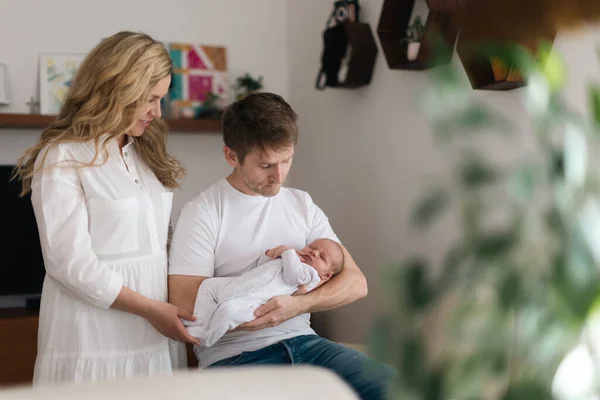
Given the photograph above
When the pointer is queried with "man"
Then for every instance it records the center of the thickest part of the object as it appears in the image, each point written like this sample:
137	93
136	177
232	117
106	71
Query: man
229	225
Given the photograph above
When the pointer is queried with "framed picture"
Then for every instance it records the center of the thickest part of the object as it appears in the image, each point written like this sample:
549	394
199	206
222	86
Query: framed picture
56	75
200	79
4	85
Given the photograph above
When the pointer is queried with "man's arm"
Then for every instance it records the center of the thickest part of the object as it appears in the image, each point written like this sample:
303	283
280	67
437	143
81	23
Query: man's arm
183	290
191	254
344	288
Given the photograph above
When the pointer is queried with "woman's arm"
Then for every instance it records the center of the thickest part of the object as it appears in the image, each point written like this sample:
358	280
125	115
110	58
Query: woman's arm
163	316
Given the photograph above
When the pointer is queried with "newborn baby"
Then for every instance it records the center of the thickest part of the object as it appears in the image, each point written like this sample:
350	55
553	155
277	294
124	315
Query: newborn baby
224	303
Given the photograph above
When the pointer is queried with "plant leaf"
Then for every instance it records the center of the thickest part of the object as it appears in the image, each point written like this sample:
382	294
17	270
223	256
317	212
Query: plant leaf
412	361
594	97
432	205
417	288
380	338
474	172
522	182
494	244
434	385
509	293
527	389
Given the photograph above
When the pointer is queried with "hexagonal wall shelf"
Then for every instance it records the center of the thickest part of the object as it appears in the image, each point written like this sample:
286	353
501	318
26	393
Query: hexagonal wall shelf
490	73
355	67
363	53
392	28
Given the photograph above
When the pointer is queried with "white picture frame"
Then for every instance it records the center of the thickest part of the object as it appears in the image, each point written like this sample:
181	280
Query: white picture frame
56	72
4	85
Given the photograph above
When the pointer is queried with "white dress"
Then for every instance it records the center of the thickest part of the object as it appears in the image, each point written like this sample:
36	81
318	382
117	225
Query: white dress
100	228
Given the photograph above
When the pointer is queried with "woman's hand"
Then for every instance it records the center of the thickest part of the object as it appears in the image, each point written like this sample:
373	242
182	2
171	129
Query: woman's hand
165	318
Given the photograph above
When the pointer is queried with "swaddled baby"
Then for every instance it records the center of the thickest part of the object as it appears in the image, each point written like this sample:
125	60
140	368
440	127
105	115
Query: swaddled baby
224	303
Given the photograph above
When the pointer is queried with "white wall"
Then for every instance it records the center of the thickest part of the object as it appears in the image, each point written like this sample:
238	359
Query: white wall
254	33
365	154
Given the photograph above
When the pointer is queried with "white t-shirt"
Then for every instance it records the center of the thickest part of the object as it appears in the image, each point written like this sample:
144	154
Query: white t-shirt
222	231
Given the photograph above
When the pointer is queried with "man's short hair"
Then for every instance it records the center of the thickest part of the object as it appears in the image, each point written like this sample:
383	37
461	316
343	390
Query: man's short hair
259	121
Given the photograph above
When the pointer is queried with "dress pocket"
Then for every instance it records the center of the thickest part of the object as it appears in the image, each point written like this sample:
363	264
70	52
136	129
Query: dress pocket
114	225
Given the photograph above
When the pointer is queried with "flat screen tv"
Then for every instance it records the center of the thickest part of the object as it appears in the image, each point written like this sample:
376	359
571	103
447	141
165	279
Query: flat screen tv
21	264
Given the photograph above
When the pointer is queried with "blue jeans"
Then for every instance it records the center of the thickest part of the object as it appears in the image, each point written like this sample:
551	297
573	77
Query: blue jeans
368	378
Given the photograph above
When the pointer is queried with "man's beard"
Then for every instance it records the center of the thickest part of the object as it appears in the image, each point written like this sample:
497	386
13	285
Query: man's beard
269	190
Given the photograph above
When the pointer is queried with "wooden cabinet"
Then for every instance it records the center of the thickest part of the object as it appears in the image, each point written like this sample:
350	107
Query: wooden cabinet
18	346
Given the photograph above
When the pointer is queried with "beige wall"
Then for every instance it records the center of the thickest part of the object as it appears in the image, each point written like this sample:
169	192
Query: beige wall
363	154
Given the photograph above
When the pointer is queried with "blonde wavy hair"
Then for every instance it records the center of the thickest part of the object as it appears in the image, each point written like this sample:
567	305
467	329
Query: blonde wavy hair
111	85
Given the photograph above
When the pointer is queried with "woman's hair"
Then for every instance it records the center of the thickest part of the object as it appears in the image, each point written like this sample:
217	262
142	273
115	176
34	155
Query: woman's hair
112	84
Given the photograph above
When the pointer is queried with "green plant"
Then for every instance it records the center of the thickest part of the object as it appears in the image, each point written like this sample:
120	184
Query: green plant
415	30
210	103
499	313
210	107
246	84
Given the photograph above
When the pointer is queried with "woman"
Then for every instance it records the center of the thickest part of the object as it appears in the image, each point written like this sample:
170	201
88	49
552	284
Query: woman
100	179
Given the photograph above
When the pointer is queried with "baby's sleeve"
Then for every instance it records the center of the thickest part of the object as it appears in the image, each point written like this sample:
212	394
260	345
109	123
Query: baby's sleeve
296	272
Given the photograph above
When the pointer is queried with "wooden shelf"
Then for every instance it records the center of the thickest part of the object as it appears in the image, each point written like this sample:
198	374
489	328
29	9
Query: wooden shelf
359	68
36	121
479	26
363	55
393	24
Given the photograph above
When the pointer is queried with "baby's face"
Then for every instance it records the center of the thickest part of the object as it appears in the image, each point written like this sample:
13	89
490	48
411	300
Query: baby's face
322	254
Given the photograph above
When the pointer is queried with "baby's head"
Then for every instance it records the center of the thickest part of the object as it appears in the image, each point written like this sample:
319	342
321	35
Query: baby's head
324	255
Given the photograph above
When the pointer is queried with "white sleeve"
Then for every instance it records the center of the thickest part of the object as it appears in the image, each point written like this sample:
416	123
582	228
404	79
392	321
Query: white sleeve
193	244
294	271
319	226
60	209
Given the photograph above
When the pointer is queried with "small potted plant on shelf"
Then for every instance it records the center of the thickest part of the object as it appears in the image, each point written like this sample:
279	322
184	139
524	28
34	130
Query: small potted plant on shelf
210	107
414	35
246	84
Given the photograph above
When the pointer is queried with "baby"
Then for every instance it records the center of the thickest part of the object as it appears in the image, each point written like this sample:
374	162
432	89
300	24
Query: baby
224	303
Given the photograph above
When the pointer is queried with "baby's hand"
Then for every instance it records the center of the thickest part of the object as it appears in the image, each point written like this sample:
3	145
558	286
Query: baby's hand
301	290
276	252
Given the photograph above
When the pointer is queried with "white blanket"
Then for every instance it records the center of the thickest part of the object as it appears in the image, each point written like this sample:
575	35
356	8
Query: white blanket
223	303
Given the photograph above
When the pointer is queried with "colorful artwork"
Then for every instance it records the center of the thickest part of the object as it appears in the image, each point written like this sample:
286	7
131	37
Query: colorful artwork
199	73
56	75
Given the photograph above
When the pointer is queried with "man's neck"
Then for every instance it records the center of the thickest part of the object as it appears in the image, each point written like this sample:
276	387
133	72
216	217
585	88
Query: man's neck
238	183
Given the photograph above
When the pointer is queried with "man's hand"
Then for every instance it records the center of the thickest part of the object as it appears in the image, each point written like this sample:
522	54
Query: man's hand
276	252
277	310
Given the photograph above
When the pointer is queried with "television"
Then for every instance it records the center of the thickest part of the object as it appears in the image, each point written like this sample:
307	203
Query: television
21	264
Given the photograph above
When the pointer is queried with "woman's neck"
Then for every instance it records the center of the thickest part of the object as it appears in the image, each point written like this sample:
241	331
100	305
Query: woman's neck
122	140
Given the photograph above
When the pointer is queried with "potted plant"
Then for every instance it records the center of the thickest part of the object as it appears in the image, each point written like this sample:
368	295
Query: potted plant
414	35
512	310
246	84
210	108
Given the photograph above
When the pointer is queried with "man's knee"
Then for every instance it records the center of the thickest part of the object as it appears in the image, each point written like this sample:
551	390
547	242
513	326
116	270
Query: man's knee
369	378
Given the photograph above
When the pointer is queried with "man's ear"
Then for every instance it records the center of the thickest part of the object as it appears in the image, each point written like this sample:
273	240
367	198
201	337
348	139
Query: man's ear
230	157
327	276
